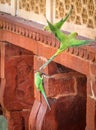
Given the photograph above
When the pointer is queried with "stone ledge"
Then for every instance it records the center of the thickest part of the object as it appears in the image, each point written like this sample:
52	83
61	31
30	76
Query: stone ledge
33	30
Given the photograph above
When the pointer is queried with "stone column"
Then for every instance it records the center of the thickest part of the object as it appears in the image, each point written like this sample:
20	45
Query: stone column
16	90
91	103
40	107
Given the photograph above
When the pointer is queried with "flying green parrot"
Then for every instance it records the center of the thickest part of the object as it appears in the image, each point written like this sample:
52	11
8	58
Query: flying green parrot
66	41
39	86
59	24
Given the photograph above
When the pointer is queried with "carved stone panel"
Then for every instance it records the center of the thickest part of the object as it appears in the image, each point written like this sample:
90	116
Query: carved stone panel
19	83
18	91
5	2
34	10
18	120
82	19
37	6
8	6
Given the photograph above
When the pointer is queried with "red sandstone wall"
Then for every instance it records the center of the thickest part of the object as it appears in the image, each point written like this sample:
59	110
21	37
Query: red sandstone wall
18	95
66	93
65	89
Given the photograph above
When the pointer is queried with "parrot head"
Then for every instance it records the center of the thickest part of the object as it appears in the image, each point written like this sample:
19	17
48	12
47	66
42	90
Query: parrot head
46	28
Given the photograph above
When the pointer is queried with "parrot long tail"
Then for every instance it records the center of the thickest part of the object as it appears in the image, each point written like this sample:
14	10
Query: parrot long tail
44	95
51	58
64	20
44	65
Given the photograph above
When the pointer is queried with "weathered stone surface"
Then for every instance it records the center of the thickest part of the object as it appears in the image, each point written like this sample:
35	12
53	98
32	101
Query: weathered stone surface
19	92
91	86
91	103
91	114
40	116
71	83
33	115
67	113
18	70
93	68
59	84
12	50
18	120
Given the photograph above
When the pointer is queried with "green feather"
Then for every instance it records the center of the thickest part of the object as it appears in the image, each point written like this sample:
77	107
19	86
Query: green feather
66	41
39	86
75	42
59	24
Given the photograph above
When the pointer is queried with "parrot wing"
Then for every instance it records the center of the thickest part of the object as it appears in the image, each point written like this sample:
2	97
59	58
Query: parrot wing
37	80
58	34
59	24
75	42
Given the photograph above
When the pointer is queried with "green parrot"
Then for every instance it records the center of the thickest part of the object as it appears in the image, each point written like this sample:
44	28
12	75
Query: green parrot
59	24
66	41
39	86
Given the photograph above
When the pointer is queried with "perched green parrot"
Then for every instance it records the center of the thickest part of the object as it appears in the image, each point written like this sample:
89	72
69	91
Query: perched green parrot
39	85
59	24
66	41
